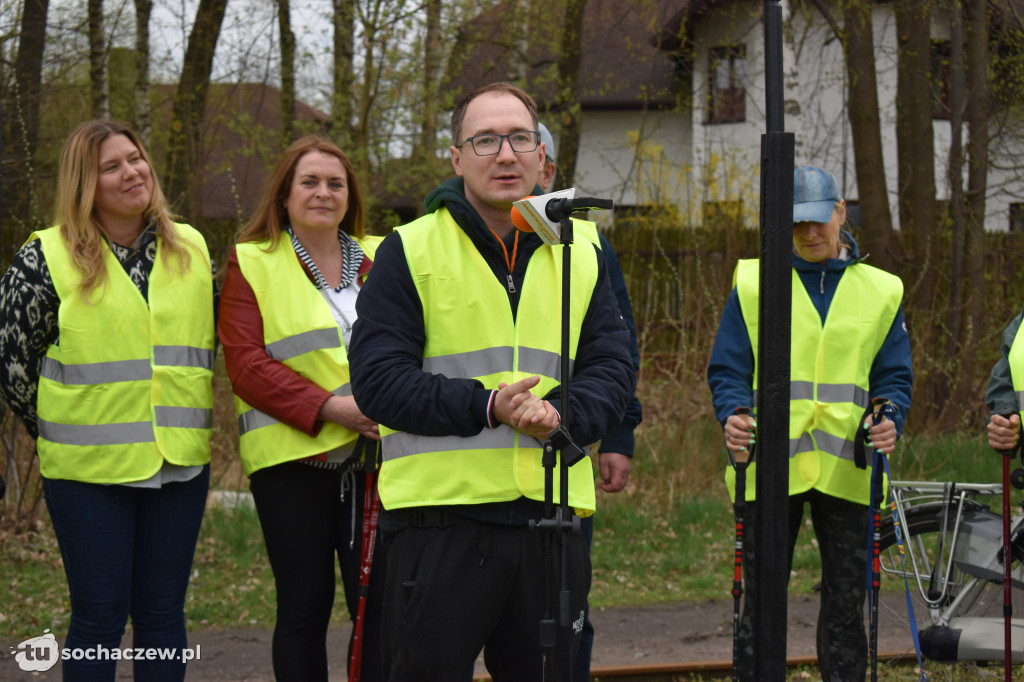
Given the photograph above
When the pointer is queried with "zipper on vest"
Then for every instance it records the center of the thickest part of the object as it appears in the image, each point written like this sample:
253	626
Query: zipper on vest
821	287
510	262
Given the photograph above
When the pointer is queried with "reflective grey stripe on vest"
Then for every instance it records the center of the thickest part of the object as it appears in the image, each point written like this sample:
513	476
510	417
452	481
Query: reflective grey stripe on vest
826	442
400	444
184	417
475	363
1020	397
827	393
253	419
93	373
478	363
542	362
96	434
183	356
306	342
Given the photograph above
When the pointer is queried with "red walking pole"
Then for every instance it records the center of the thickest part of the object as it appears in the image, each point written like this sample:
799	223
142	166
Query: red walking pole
371	513
740	508
1008	455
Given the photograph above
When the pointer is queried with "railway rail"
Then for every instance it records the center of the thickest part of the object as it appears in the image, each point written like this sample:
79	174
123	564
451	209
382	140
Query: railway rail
703	670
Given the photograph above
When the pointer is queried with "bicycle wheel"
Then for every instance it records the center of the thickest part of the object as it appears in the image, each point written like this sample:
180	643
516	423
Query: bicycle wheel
955	581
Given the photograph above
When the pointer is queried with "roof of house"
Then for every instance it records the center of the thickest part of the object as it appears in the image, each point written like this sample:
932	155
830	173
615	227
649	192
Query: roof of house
240	143
624	60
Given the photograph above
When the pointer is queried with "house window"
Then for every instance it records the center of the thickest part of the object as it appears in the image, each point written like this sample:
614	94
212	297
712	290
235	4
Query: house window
727	73
1016	217
940	78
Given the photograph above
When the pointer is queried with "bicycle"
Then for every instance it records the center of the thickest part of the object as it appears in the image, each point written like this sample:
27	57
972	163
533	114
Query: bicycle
953	565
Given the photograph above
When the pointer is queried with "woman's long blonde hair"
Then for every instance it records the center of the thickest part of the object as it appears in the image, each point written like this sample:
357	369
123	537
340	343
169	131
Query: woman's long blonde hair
76	194
271	216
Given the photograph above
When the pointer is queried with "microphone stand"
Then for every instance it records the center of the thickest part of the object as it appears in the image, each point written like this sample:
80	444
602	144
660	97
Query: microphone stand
561	523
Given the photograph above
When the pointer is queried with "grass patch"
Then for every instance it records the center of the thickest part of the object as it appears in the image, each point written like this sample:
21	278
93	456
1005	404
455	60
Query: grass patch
231	584
33	573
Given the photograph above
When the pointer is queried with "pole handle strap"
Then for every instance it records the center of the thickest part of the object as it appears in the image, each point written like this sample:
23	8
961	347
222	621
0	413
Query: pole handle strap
879	407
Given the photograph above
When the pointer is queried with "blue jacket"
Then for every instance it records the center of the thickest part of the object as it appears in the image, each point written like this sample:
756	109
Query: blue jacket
731	368
388	340
621	437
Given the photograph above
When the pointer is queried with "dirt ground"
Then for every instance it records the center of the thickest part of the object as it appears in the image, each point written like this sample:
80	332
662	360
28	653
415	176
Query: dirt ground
666	633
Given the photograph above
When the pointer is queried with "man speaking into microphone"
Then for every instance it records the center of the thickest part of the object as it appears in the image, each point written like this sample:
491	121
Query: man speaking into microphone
456	351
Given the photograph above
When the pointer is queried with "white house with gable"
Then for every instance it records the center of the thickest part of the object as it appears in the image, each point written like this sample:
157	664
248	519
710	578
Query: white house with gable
673	99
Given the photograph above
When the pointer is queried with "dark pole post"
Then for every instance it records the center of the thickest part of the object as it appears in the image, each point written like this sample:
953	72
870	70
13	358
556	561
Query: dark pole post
2	254
771	530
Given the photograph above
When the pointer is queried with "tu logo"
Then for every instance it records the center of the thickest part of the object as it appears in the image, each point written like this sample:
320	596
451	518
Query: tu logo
37	654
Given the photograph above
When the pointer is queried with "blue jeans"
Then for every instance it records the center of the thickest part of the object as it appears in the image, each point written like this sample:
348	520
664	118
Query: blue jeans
127	552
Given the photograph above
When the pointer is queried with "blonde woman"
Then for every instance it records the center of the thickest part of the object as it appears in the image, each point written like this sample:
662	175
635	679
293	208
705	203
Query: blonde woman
286	317
107	339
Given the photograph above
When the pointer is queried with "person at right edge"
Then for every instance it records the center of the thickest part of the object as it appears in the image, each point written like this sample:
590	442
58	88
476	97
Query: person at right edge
849	347
1006	380
456	355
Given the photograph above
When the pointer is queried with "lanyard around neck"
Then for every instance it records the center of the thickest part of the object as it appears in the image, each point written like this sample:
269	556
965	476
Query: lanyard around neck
510	262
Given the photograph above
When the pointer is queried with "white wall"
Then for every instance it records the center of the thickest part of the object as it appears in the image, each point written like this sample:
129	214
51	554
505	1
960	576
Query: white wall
635	157
725	157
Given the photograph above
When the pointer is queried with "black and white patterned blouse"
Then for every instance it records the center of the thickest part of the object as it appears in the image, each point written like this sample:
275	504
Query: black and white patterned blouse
351	259
28	316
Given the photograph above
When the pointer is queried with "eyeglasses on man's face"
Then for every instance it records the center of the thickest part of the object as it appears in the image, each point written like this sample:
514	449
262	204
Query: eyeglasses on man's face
489	144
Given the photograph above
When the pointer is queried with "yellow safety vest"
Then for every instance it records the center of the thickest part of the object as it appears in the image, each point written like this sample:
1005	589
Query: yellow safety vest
829	375
129	383
471	333
300	331
1016	360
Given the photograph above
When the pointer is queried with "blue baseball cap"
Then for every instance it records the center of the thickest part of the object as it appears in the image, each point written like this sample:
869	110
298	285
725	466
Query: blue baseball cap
815	193
549	143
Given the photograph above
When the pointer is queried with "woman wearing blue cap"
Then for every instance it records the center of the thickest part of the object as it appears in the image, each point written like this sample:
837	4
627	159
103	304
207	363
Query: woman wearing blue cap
850	355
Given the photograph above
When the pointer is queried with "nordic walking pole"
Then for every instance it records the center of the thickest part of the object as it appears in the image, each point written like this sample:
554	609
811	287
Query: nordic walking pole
740	506
1008	455
877	474
371	515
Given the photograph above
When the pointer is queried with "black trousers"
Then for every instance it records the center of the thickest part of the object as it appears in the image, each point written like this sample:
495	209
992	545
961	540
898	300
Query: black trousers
307	526
456	586
842	530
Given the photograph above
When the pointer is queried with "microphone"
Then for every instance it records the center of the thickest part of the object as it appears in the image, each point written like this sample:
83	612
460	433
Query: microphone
544	214
560	209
